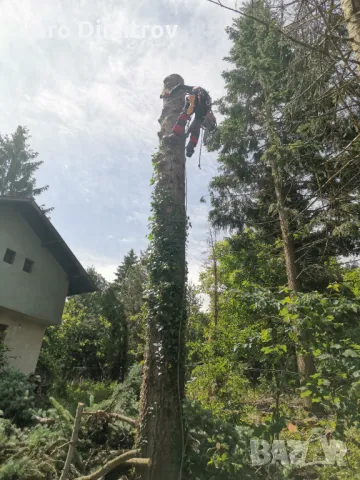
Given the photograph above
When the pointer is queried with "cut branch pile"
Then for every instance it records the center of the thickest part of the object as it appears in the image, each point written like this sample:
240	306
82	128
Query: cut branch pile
126	458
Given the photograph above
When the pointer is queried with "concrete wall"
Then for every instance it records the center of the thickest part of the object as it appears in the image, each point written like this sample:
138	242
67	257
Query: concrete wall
24	338
40	294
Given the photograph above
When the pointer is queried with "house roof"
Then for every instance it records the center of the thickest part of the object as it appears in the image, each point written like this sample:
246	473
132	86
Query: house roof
79	280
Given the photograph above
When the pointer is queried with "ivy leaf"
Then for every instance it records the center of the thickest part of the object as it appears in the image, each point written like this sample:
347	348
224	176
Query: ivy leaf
350	353
306	393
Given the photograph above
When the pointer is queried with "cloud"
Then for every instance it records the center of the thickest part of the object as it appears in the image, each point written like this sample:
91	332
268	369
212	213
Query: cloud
92	106
106	266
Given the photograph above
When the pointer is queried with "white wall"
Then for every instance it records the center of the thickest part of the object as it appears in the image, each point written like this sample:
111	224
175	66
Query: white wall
24	338
40	294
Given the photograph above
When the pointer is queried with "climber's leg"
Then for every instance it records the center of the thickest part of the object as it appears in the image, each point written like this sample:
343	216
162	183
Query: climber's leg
178	129
194	132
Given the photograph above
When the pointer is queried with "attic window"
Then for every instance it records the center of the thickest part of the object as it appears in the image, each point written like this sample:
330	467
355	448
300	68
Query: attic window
28	265
9	256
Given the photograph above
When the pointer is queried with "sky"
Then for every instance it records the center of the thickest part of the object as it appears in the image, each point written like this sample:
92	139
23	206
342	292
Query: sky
85	76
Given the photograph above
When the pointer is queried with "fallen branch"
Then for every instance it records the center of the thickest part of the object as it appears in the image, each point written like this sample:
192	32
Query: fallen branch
117	416
126	458
73	442
44	421
146	462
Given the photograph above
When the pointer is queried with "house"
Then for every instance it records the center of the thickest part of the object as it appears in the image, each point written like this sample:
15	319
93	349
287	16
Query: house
37	272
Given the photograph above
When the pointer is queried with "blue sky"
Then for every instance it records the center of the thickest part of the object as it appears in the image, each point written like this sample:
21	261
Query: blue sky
91	102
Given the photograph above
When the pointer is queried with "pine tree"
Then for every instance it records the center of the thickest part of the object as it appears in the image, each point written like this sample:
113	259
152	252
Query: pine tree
284	146
129	261
18	165
272	157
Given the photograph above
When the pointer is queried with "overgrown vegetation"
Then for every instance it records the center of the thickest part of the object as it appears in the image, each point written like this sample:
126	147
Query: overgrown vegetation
284	284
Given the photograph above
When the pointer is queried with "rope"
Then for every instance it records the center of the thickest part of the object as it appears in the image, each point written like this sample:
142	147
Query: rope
183	440
201	144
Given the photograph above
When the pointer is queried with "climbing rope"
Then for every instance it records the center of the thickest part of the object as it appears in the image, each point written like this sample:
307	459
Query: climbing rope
201	144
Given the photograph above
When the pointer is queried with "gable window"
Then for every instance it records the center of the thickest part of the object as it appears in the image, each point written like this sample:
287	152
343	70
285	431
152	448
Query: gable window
9	256
3	329
28	265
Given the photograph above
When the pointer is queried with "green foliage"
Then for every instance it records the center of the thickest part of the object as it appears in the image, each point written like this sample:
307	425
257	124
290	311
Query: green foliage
123	270
17	397
39	450
88	392
125	396
266	123
90	343
24	469
18	165
215	449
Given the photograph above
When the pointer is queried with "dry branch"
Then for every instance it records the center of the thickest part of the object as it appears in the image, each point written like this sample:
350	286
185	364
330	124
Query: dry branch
44	421
117	416
126	458
270	25
73	442
146	462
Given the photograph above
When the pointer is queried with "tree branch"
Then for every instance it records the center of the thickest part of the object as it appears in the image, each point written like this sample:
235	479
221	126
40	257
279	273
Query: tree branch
117	416
73	442
126	458
277	29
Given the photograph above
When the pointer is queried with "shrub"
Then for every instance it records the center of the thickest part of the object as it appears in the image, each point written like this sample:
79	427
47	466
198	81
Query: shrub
216	449
17	397
24	469
126	395
88	392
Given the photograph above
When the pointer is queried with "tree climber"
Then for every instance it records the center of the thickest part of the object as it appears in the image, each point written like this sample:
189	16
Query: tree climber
198	101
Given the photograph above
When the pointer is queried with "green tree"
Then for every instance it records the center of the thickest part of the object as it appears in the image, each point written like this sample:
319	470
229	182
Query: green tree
131	292
122	271
275	176
18	165
92	340
288	143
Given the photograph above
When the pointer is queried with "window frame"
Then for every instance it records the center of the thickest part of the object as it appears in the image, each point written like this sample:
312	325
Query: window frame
28	265
12	254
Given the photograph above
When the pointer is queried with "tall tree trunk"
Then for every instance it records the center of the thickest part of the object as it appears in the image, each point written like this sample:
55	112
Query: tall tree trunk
305	362
289	248
161	432
214	261
351	12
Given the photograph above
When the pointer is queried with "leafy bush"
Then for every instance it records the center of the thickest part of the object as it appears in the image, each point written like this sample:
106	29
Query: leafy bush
216	449
24	469
126	395
88	392
17	397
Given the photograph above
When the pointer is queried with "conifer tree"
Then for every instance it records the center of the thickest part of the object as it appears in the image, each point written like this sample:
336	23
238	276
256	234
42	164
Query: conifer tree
129	261
18	165
275	177
288	122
